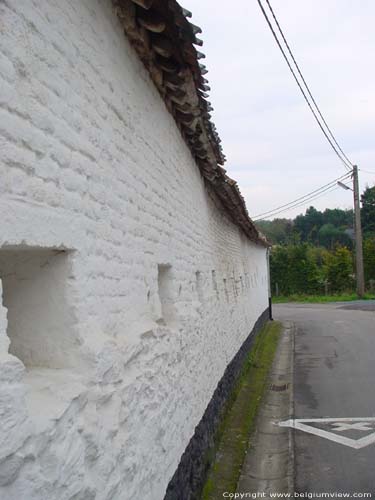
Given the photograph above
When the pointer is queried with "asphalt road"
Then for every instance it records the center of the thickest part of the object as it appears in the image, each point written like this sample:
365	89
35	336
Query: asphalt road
334	378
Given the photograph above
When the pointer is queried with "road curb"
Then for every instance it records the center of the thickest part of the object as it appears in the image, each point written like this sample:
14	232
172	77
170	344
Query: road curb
269	463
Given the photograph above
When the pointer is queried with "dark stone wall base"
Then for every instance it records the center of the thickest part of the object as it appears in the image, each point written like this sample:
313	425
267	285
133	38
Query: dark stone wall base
189	478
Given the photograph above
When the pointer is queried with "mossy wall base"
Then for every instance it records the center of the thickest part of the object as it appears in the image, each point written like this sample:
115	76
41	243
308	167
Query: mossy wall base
189	478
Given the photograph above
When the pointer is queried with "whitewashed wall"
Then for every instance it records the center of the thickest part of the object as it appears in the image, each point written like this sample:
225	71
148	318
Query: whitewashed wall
126	333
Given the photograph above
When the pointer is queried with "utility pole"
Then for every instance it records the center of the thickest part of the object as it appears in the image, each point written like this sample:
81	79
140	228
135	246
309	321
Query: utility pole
358	236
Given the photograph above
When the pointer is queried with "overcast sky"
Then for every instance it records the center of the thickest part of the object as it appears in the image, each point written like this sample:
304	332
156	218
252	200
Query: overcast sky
274	147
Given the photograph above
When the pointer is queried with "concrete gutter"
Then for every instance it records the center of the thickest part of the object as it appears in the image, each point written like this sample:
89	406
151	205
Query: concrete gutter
269	463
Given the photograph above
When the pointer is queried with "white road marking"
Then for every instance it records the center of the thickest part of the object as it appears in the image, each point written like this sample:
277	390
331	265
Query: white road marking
342	424
359	426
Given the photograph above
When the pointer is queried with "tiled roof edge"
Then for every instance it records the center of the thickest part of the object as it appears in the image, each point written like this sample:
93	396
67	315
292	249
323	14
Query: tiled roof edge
166	43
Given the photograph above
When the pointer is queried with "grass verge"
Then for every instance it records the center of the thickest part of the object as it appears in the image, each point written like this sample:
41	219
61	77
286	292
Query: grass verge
232	439
315	299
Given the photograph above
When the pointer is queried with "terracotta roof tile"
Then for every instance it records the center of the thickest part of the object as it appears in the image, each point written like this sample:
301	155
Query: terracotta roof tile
166	42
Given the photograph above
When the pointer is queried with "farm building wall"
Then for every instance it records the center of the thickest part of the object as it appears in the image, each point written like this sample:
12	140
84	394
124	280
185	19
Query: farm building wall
126	289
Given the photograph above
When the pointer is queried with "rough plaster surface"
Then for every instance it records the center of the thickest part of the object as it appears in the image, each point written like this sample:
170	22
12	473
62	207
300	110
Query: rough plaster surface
156	292
35	293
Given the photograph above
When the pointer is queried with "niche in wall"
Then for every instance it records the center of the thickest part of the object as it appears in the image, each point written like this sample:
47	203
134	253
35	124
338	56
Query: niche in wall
35	293
199	285
166	293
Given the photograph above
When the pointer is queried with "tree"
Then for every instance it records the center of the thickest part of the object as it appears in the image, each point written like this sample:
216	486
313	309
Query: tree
369	258
329	236
303	272
309	224
339	218
279	264
316	248
368	211
294	269
278	231
339	270
308	228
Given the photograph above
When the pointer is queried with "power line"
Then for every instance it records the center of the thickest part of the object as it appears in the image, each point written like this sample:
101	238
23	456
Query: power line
302	199
304	202
307	87
300	203
367	171
347	165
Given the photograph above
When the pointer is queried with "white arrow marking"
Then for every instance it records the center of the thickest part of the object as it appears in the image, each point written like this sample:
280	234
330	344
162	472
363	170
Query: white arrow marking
303	425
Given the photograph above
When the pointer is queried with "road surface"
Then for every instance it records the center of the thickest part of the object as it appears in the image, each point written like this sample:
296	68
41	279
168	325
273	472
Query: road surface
334	384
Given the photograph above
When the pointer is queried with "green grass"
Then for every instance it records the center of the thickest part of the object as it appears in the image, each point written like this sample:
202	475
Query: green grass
314	299
232	439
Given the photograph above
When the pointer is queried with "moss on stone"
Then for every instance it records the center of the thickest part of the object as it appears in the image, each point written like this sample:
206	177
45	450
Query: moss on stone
233	437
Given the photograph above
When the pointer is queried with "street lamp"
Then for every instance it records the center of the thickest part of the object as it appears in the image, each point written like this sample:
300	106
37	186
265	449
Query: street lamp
344	186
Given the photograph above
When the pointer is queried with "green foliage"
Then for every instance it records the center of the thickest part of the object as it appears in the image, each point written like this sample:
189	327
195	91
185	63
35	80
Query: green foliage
313	254
307	270
337	217
303	272
308	225
316	299
368	226
277	230
279	264
330	235
369	259
339	270
294	269
368	211
327	229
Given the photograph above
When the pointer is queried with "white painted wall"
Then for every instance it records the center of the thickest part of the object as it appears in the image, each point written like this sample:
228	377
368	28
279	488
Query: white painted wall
92	162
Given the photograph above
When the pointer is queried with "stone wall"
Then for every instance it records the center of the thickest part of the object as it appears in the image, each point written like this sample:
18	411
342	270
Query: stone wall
108	222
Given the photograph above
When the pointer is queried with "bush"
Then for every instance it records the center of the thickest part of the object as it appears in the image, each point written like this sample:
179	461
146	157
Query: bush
294	270
369	259
339	270
305	270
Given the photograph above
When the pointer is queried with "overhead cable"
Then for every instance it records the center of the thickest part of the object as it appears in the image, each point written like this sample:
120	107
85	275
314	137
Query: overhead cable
306	86
346	163
302	199
304	202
